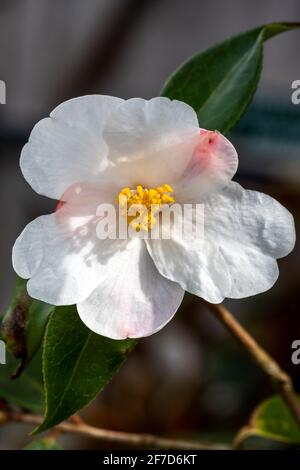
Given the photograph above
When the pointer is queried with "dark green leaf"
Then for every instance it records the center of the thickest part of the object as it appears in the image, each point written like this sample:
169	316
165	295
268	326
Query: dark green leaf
44	444
77	363
272	420
24	324
26	391
220	82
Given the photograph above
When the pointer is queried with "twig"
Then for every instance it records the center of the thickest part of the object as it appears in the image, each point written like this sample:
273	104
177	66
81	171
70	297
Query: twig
76	419
280	379
140	440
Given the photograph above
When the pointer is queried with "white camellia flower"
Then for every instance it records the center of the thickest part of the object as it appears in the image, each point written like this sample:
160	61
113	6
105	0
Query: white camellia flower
101	149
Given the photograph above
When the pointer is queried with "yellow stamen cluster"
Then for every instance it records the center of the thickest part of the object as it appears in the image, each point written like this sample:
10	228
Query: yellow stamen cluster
145	203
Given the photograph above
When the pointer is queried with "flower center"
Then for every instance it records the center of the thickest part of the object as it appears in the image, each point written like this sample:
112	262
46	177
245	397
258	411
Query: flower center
140	205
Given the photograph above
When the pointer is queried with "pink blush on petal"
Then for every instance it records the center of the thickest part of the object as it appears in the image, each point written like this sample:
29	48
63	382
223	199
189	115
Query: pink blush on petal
205	156
212	165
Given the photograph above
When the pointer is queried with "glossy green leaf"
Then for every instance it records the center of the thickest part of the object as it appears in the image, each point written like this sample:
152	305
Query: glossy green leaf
44	444
77	364
271	420
24	324
220	82
25	391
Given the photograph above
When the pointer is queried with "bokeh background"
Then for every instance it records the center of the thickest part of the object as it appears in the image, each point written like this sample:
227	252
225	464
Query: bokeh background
191	379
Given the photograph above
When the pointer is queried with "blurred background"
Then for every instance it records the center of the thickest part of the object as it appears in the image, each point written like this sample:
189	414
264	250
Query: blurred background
191	379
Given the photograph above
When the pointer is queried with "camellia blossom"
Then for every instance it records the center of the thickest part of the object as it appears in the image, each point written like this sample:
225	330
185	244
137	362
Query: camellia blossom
99	149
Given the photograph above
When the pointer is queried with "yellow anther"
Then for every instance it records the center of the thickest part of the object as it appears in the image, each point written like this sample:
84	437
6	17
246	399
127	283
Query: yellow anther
139	190
126	191
141	200
168	188
152	193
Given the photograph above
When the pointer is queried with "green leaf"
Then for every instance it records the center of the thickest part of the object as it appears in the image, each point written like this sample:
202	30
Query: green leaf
26	391
220	82
77	363
24	324
271	420
44	444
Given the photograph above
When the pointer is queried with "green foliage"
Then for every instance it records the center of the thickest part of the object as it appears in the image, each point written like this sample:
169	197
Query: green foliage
25	391
77	364
271	420
24	324
220	82
44	444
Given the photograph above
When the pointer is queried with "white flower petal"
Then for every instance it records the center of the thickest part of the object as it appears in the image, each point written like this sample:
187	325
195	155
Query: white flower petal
252	230
67	147
195	263
64	258
151	141
140	127
251	271
135	301
213	164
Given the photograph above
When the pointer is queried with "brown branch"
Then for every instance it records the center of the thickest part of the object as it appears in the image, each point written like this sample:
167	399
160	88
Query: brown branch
281	381
76	419
133	439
